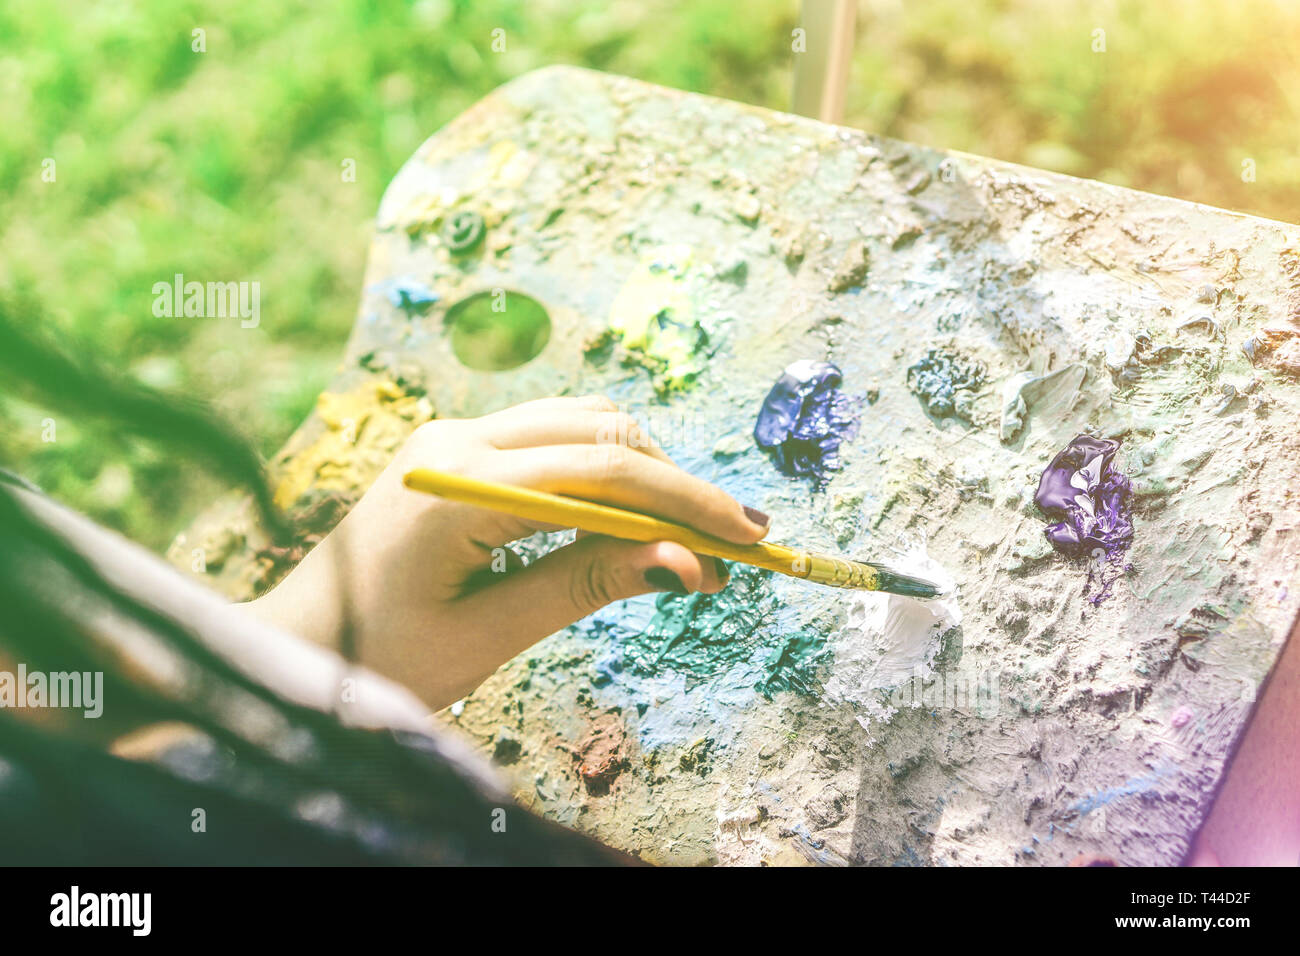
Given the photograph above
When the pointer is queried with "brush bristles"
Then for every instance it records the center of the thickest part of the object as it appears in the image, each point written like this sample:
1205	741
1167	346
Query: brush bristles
895	582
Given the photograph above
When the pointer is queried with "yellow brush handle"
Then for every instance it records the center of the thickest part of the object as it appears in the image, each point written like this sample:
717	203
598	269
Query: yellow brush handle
545	508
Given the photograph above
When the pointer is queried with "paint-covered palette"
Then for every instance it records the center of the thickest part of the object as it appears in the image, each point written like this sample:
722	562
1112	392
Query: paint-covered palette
679	253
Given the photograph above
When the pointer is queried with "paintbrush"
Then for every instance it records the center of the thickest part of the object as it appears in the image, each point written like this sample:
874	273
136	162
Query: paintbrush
545	508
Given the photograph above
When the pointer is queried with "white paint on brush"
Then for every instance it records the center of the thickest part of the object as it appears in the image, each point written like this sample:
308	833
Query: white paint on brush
888	639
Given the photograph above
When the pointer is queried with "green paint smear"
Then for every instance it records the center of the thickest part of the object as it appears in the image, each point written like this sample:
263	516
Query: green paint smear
795	665
705	635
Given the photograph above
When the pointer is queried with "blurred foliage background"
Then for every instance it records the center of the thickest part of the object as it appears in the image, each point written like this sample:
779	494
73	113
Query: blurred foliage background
225	165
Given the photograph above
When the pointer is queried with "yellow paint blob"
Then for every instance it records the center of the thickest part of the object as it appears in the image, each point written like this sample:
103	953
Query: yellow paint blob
654	316
361	430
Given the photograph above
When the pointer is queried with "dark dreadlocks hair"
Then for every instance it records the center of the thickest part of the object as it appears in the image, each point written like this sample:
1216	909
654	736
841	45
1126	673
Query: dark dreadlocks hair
279	781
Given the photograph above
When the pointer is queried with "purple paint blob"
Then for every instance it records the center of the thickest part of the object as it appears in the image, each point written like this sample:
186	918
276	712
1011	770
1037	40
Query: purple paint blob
805	418
1090	505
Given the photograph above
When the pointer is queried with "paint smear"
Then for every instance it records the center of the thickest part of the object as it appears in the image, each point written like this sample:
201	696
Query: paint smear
888	639
703	636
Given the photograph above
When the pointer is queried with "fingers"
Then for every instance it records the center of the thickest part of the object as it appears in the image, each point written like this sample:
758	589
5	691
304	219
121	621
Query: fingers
595	403
579	579
568	421
614	475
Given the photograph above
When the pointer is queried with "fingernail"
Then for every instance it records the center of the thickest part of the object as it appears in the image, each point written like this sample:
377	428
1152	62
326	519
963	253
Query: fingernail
724	572
756	516
661	579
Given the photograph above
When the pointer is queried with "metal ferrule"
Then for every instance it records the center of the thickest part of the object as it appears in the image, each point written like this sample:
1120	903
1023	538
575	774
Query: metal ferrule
839	573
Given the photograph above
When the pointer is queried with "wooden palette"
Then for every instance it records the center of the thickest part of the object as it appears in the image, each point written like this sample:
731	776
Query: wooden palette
745	240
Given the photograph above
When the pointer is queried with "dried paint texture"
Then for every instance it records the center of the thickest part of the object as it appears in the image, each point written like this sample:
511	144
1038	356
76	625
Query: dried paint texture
805	419
1277	348
946	383
1089	502
1046	393
602	753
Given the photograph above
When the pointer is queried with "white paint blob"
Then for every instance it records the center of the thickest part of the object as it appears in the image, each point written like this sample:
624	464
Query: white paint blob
887	639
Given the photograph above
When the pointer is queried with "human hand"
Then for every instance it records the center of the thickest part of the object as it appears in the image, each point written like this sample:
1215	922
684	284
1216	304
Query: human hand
433	597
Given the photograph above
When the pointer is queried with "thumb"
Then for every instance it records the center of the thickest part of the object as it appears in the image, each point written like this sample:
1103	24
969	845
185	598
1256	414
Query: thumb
571	582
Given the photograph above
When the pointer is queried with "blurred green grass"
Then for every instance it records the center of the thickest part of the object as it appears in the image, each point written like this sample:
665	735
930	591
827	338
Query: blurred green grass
226	164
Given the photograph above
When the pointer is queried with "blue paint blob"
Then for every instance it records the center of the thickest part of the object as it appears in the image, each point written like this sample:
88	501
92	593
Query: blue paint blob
1090	504
409	295
804	420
